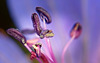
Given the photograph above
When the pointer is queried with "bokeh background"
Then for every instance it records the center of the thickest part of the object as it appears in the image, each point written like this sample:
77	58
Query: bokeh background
64	13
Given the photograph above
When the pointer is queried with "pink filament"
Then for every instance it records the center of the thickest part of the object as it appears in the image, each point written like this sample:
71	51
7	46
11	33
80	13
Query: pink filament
39	60
50	49
31	51
49	45
46	50
48	58
66	47
28	48
44	24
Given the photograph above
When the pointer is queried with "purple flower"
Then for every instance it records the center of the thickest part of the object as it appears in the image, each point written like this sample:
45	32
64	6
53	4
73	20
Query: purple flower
64	14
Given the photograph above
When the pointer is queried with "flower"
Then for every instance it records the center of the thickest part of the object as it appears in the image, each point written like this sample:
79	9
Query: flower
64	14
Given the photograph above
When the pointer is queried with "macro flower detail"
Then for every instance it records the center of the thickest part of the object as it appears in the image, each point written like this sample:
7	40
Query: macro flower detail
75	33
33	45
34	49
39	30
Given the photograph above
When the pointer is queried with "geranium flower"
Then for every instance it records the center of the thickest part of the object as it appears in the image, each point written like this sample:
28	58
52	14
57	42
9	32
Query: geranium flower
64	14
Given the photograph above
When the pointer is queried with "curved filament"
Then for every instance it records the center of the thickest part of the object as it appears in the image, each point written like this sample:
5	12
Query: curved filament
66	47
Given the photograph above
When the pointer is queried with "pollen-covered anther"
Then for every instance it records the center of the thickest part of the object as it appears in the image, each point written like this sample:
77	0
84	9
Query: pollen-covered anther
37	49
46	33
76	30
49	34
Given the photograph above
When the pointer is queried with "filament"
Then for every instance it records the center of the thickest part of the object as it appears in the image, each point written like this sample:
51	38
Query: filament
66	47
31	51
27	47
49	44
50	49
44	24
46	50
39	60
48	58
44	47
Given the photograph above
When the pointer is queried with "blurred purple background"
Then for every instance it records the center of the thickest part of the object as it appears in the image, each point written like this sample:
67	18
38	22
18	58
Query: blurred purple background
64	14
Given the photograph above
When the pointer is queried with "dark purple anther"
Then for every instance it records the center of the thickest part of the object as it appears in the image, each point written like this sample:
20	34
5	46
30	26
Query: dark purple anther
44	15
36	23
76	30
38	29
17	35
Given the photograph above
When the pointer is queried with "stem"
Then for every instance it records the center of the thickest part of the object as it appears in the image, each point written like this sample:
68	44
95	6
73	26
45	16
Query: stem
66	47
49	45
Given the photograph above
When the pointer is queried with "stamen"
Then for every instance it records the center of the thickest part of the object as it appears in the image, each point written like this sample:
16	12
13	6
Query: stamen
37	54
36	48
46	51
39	60
76	30
46	33
44	24
48	58
42	33
50	49
33	55
75	33
27	47
36	23
66	47
44	59
49	45
18	35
